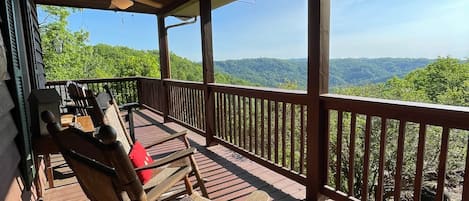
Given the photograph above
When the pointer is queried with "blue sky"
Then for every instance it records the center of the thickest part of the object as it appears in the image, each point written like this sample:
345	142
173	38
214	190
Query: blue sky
262	28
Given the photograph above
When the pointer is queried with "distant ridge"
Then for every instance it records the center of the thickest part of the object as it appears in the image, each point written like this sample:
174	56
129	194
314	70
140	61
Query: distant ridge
272	72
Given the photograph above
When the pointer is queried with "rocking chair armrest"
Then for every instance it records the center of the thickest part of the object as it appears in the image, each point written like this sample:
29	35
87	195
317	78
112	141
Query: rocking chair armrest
129	106
165	139
77	107
168	159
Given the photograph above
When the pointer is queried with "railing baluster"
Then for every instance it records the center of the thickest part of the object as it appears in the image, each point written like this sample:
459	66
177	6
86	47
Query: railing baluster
276	142
244	123
366	164
183	105
180	101
202	108
200	111
351	162
419	166
233	112
240	119
199	104
284	133
178	97
171	102
400	160
292	137
382	152
262	129
338	150
269	130
256	102
465	194
250	124
187	106
225	127
193	112
195	108
442	164
230	126
217	117
302	138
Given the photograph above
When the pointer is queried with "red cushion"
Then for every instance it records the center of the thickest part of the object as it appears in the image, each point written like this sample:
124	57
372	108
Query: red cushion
139	157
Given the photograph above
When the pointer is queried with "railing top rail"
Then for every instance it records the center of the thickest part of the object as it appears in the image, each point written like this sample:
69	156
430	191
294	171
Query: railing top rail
149	78
434	114
275	90
280	95
184	83
93	80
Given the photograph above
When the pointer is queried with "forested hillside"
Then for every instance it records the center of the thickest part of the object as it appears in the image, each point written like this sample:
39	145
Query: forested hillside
67	56
445	81
343	72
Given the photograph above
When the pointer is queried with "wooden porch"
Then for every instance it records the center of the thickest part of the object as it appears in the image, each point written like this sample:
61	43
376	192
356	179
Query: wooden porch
269	127
228	175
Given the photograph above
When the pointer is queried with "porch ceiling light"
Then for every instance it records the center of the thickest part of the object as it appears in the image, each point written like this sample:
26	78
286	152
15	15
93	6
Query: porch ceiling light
122	4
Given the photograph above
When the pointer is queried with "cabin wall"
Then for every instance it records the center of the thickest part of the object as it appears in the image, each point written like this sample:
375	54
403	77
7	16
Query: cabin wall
33	41
12	185
21	70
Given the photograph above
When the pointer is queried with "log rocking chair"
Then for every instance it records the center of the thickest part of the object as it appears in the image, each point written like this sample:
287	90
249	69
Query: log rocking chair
104	170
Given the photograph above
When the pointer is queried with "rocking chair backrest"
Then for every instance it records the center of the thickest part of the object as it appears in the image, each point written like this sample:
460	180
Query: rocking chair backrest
95	105
113	118
86	102
101	166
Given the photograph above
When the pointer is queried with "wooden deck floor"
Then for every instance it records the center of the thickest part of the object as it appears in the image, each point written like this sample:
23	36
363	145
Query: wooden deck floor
229	175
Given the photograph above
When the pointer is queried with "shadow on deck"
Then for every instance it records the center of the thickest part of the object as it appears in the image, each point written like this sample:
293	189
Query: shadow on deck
228	175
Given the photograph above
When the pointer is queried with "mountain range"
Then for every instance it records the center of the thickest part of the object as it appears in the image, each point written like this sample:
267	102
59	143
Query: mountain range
343	72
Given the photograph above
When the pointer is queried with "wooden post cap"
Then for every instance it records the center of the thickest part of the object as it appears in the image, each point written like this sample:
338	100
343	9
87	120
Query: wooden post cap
107	134
48	117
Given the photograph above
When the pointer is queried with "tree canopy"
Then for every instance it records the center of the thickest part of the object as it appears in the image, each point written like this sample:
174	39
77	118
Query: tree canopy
445	81
68	56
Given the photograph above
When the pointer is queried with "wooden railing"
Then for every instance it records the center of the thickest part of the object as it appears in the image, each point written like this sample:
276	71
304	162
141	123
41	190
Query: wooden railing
124	89
186	105
380	148
375	149
266	125
150	92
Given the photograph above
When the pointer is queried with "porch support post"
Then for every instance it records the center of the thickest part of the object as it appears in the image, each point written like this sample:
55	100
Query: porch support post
165	67
208	72
318	78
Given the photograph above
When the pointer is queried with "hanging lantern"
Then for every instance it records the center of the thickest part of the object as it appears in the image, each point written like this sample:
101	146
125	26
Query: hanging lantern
122	4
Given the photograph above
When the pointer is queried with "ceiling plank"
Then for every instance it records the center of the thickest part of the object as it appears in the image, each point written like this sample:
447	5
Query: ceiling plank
100	4
176	3
150	3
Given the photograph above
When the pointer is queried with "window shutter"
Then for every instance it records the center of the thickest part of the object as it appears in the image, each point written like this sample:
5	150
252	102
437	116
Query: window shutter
19	83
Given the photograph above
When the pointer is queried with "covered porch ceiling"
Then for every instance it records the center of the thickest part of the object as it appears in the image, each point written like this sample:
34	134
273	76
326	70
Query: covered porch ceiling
177	8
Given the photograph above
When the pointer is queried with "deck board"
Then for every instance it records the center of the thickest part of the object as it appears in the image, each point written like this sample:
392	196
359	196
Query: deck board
229	175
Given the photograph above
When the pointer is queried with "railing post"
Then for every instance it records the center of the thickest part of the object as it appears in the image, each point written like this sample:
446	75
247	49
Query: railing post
207	64
165	66
318	78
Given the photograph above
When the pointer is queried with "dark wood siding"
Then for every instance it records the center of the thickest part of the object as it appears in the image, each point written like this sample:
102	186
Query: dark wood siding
33	44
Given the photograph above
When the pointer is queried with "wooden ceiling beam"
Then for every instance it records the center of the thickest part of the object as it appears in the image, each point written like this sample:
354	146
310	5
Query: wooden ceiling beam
151	3
175	4
100	4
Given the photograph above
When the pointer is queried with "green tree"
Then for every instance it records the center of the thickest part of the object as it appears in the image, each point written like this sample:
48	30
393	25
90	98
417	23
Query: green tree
66	56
